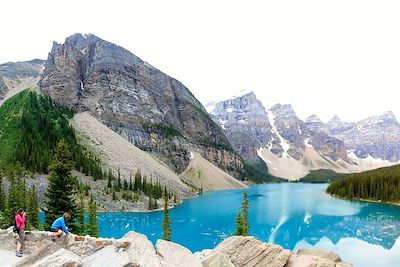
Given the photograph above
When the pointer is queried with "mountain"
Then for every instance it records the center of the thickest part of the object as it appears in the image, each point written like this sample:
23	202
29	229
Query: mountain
374	138
150	109
292	148
17	76
246	124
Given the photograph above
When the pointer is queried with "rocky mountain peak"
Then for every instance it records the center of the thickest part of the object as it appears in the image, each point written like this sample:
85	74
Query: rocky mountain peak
284	110
150	109
313	119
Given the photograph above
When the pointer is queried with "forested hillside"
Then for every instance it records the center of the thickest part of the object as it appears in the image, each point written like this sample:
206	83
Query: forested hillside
380	184
32	125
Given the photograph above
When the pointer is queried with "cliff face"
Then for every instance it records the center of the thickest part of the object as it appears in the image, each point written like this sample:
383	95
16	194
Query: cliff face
246	124
376	136
147	107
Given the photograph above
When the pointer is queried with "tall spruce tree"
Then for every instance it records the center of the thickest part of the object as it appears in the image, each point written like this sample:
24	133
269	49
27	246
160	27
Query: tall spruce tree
16	193
93	227
80	216
242	220
33	209
166	223
2	196
62	187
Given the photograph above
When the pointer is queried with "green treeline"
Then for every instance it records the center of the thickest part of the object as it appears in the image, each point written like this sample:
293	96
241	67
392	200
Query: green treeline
131	190
380	184
32	125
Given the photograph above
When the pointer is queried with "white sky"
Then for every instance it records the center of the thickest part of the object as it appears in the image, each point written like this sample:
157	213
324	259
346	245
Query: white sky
325	57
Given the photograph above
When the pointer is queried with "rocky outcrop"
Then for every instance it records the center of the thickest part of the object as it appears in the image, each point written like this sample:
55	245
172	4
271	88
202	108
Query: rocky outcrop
17	76
247	251
135	249
147	107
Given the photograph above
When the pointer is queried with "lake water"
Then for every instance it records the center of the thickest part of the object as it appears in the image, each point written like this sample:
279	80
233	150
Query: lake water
291	215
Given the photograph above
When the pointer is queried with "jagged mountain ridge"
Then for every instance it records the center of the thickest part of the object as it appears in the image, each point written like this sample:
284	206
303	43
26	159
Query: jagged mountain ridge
377	136
147	107
17	76
292	147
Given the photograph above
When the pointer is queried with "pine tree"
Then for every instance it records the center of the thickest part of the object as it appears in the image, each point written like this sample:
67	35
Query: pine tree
114	195
16	193
61	189
80	216
166	223
242	220
2	196
33	209
93	227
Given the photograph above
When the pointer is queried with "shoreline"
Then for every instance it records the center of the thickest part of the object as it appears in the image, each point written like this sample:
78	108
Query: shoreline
397	204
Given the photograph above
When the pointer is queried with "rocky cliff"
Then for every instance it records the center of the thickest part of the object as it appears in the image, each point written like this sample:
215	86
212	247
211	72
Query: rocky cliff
147	107
17	76
136	250
278	136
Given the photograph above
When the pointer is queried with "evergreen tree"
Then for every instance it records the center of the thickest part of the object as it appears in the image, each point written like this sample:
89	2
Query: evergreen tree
2	196
61	189
114	195
242	220
80	216
166	223
33	209
93	227
16	193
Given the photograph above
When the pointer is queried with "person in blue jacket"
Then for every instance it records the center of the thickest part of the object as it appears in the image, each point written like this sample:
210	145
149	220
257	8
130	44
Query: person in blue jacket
59	226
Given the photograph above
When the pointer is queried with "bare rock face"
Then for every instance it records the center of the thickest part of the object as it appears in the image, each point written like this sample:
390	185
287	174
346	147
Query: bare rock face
147	107
320	253
109	256
246	124
247	251
174	255
376	136
141	251
61	258
316	258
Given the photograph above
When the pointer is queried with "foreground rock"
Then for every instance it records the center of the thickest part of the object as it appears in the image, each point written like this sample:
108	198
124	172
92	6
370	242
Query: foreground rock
135	249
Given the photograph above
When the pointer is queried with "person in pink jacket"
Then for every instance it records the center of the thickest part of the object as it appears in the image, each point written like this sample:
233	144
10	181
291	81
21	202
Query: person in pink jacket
20	222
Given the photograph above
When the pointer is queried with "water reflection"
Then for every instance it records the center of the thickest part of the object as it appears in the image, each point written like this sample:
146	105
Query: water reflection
290	215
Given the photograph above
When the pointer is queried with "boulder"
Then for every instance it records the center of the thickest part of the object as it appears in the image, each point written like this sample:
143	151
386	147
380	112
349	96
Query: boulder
248	251
174	255
320	253
200	255
141	251
109	256
220	261
60	258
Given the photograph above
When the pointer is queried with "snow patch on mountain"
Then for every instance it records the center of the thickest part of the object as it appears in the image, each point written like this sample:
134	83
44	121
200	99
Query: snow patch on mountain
285	146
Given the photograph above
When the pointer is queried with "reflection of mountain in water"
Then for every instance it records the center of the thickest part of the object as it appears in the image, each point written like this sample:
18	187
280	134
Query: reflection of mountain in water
372	225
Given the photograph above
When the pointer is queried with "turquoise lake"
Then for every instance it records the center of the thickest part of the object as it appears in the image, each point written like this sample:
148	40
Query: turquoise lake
291	215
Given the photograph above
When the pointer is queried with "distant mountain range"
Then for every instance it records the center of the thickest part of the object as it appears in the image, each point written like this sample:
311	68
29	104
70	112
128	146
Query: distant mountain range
291	147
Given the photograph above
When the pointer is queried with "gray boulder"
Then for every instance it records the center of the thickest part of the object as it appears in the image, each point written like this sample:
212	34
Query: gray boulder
61	258
109	256
247	251
174	255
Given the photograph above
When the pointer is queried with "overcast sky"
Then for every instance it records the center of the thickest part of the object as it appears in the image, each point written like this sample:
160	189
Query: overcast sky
324	57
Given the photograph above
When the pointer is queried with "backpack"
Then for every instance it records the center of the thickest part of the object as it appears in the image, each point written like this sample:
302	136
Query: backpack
15	228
